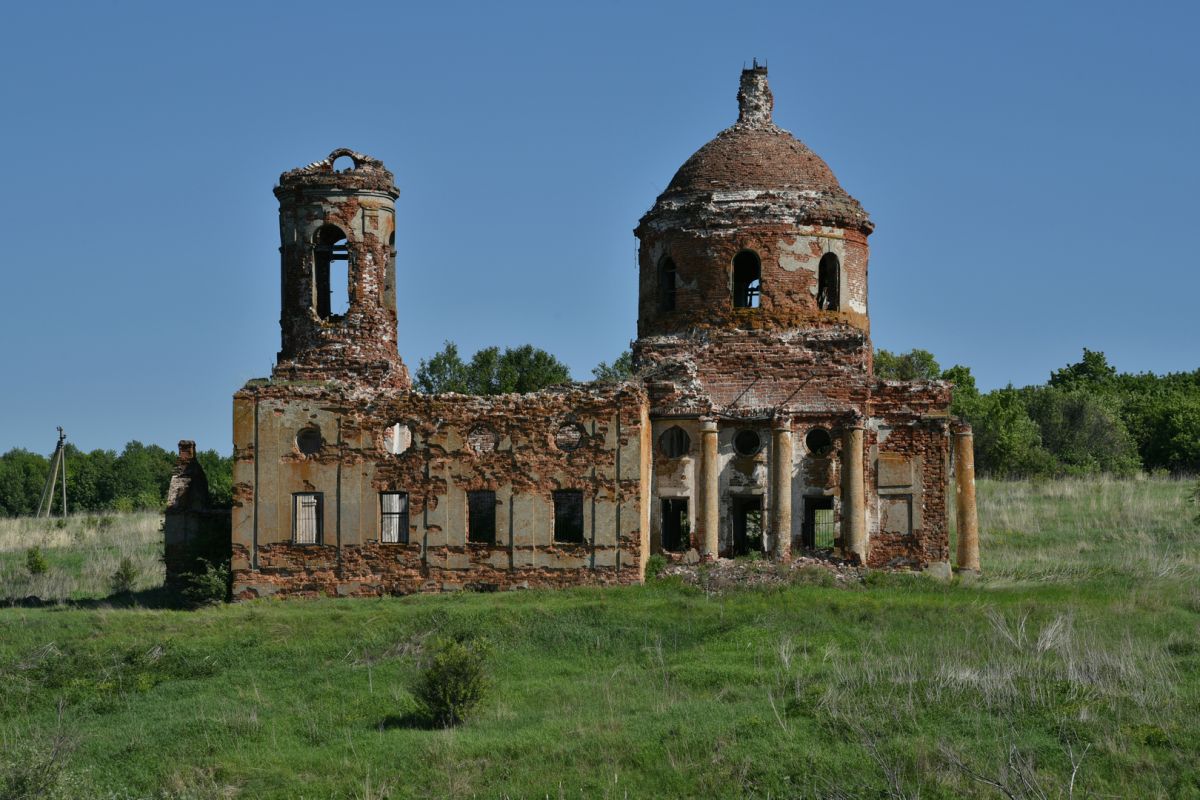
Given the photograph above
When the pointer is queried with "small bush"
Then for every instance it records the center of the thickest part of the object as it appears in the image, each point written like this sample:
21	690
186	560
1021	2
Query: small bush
123	579
454	682
37	768
655	564
35	561
106	522
207	586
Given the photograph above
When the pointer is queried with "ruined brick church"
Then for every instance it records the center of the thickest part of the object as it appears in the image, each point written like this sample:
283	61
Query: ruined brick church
754	423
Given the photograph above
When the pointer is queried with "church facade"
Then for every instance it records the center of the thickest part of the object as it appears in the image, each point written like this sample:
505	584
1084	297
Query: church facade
753	423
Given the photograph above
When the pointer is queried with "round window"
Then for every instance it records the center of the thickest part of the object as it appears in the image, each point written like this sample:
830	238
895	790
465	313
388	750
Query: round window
397	438
309	441
569	437
819	442
482	439
747	442
674	442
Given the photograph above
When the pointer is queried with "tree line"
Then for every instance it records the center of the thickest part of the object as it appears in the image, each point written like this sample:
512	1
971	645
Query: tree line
105	480
1086	418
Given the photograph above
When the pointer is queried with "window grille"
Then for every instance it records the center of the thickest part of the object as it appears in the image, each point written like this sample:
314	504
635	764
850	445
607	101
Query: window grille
306	518
393	514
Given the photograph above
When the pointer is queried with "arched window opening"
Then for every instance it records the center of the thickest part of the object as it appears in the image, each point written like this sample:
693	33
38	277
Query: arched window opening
343	164
666	284
747	283
331	267
674	442
829	283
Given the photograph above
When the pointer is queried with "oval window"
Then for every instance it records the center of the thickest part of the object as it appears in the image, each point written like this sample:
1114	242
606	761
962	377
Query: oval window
397	438
482	439
819	442
569	437
747	442
309	440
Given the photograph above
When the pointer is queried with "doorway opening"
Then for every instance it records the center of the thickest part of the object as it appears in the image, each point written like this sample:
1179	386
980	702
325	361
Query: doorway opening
676	536
747	525
820	528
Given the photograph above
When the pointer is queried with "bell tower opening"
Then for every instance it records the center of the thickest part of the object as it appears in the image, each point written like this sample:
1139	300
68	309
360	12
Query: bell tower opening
331	267
828	283
747	279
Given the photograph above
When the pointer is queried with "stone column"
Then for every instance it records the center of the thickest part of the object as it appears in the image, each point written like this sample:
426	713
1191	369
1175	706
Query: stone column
964	498
854	505
781	487
710	490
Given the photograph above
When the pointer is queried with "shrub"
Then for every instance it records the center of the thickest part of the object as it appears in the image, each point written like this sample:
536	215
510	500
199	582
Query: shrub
655	564
123	579
37	768
454	682
35	561
207	586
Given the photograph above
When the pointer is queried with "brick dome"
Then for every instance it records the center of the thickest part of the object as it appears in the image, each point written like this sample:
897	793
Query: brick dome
758	165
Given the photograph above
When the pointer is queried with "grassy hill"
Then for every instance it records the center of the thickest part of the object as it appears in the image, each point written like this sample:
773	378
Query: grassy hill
1070	669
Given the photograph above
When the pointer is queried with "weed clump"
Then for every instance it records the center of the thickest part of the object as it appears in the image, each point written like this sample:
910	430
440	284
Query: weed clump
35	561
124	577
655	564
37	768
209	585
454	682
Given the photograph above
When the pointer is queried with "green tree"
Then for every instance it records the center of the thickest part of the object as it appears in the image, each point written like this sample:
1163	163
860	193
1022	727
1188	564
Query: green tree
443	372
619	370
1007	442
965	398
218	469
142	474
91	478
22	476
491	371
915	365
1092	371
1082	429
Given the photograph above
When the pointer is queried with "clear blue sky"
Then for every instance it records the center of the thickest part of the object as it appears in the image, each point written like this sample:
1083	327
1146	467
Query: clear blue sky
1032	170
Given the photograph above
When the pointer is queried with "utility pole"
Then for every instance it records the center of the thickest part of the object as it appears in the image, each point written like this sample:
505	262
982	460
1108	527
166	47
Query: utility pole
58	464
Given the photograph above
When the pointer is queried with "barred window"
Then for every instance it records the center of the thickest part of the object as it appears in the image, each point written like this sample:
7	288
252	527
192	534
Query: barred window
306	518
393	516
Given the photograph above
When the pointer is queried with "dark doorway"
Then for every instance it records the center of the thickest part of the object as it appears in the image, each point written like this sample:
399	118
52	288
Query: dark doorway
747	525
675	533
820	528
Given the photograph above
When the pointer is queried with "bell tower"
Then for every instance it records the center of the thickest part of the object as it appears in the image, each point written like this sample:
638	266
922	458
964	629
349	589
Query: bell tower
337	230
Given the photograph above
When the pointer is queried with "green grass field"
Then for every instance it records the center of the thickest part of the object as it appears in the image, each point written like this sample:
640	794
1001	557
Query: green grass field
1070	669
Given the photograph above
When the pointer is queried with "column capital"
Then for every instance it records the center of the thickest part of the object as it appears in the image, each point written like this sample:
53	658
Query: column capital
708	425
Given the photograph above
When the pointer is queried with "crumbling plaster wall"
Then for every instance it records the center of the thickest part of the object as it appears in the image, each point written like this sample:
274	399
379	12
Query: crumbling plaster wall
528	462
